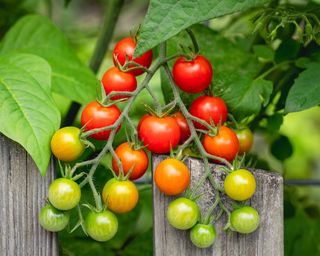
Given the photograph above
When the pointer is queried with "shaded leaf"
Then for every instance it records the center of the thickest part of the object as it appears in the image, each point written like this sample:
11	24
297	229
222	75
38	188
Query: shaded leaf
36	34
281	148
166	18
28	114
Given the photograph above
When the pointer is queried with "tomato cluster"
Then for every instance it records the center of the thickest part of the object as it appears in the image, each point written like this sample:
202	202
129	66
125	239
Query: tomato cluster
160	132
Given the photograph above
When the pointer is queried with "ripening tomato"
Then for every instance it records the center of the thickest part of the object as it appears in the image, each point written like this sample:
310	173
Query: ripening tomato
52	219
116	80
209	108
125	49
245	220
129	158
172	176
245	138
240	185
66	144
184	127
192	76
120	196
183	213
64	194
203	235
101	226
159	134
95	116
224	144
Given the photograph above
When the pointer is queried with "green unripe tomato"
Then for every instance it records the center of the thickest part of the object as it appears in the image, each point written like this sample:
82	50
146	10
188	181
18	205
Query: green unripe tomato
245	220
202	235
183	213
52	219
64	194
101	226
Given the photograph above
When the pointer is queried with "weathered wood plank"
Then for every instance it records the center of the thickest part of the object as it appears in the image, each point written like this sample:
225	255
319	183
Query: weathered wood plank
23	191
266	241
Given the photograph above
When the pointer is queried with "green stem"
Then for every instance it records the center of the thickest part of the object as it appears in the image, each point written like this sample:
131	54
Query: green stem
194	40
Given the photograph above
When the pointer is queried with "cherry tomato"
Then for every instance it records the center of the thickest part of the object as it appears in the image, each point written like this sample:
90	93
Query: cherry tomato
202	235
66	144
240	185
184	127
225	144
129	158
64	194
120	196
209	108
125	49
245	220
52	219
101	226
116	80
95	116
192	76
159	134
183	213
245	138
172	176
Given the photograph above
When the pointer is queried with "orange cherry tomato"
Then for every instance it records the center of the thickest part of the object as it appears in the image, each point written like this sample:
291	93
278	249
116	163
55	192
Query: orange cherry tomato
172	176
130	157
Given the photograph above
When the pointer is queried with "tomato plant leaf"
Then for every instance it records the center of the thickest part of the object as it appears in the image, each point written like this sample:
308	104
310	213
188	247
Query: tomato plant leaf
234	72
305	92
166	18
36	34
28	114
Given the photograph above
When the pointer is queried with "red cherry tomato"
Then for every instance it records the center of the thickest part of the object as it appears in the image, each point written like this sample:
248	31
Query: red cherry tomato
116	80
206	108
95	116
126	47
184	127
192	76
130	157
225	144
159	134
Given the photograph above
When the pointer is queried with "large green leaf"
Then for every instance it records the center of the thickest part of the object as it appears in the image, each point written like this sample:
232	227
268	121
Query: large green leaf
166	18
305	92
234	72
36	34
28	114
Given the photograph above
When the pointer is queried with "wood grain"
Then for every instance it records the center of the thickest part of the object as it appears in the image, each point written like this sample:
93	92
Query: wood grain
23	193
266	241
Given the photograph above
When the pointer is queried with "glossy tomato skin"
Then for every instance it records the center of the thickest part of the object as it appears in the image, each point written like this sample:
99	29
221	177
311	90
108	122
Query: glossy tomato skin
52	219
64	194
116	80
245	138
101	226
172	176
159	134
225	144
206	108
192	76
95	116
240	185
66	144
126	47
184	127
120	196
130	157
183	213
245	220
202	235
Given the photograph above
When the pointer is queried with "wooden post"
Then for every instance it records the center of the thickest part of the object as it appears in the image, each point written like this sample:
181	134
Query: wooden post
23	193
266	241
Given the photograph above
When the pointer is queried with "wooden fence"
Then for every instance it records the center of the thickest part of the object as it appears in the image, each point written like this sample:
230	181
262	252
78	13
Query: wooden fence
23	191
